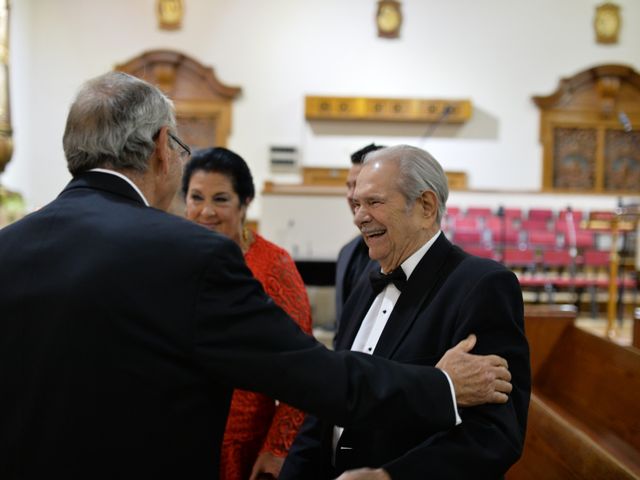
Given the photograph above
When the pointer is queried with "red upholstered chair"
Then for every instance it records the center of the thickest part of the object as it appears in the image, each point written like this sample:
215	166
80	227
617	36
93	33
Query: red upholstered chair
480	251
544	214
534	225
513	213
577	215
585	239
509	237
523	263
466	238
559	272
542	239
594	275
494	222
573	236
453	211
466	223
478	212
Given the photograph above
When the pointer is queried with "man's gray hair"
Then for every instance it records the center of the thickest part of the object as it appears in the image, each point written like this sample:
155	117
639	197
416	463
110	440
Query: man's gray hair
419	172
113	123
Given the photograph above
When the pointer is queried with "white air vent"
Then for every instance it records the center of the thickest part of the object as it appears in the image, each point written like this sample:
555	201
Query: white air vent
283	159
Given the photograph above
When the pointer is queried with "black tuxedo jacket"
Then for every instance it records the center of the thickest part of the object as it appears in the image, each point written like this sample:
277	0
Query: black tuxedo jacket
449	295
123	330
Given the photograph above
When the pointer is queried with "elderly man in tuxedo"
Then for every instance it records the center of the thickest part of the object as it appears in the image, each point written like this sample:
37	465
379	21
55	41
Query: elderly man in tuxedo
124	329
353	258
427	296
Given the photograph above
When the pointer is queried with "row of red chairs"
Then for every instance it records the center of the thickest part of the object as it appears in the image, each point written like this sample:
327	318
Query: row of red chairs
541	239
539	214
553	271
496	223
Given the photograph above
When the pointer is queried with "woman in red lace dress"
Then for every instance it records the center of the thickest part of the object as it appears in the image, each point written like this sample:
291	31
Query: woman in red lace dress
218	189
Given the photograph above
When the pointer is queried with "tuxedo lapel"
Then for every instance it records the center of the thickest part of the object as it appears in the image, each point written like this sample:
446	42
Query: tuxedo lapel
413	297
353	313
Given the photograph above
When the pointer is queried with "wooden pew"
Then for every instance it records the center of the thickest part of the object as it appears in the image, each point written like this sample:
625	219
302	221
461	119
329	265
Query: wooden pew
584	417
636	328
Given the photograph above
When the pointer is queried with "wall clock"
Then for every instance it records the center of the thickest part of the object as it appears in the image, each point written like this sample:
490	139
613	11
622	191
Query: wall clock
607	23
170	14
389	18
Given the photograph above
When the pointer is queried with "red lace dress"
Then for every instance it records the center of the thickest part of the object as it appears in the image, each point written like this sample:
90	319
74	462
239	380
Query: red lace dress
256	424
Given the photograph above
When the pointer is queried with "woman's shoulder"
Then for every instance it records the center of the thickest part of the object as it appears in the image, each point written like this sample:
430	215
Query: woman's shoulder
262	246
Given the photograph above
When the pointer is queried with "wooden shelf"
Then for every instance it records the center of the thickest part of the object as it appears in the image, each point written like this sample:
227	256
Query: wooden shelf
387	109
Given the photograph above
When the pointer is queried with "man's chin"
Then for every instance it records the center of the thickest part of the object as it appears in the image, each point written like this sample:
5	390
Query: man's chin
374	253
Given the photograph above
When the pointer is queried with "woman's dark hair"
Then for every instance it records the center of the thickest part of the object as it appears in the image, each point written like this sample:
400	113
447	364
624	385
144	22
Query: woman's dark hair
223	161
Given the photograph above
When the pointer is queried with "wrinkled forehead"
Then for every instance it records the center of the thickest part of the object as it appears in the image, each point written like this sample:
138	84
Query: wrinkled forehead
377	178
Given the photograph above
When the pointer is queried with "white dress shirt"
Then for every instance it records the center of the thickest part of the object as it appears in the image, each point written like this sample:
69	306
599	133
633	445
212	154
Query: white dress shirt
376	319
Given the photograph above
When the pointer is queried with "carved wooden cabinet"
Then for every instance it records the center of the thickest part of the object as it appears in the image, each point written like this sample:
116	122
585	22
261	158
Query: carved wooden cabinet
203	104
590	131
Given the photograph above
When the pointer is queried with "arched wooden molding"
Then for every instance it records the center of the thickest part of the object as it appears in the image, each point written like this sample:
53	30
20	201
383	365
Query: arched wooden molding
590	131
203	103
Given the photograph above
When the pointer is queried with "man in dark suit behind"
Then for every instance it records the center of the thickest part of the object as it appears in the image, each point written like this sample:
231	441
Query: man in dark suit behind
430	296
353	259
124	329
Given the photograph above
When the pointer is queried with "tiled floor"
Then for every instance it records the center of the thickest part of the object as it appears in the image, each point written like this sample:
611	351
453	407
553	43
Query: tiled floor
622	330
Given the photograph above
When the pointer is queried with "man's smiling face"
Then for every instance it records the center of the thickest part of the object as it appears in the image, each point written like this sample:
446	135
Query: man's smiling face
391	229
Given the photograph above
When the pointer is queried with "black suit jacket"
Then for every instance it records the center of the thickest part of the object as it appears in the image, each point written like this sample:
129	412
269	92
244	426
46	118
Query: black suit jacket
123	330
448	296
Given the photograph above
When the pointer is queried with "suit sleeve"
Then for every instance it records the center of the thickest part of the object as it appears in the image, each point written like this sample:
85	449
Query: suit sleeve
307	457
491	437
242	338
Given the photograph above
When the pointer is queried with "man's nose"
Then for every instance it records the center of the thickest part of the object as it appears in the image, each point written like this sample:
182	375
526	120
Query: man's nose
361	216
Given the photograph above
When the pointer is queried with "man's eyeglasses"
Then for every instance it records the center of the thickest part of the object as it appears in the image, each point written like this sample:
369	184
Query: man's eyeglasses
185	147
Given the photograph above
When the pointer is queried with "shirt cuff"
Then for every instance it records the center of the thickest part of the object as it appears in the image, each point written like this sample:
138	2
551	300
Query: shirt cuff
453	398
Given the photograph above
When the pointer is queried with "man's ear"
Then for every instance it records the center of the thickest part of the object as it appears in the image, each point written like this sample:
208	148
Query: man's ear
429	204
162	153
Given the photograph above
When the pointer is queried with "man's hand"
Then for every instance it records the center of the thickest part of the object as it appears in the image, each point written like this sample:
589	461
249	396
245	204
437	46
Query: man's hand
267	466
365	474
477	379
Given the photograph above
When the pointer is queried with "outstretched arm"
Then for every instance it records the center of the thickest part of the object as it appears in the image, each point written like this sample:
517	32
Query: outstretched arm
243	338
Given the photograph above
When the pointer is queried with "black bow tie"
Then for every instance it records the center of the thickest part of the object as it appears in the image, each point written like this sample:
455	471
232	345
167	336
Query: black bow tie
379	280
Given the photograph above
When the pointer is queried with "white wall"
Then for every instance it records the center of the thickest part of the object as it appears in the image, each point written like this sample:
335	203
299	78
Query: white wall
498	53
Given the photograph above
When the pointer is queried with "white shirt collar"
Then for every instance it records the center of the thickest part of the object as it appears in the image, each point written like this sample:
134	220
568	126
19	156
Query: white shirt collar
125	178
410	264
